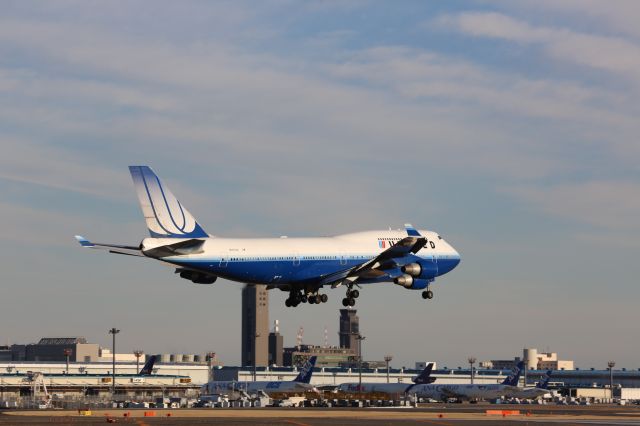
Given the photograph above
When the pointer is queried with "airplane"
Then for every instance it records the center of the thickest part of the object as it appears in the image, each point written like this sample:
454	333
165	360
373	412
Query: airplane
471	392
389	388
410	258
540	389
147	368
300	384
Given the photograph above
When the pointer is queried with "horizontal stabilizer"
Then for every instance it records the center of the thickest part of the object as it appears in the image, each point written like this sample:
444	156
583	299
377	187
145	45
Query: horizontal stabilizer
112	248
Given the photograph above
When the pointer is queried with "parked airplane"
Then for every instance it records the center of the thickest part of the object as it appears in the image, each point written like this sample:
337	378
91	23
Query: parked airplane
471	392
541	389
301	266
147	368
389	388
298	385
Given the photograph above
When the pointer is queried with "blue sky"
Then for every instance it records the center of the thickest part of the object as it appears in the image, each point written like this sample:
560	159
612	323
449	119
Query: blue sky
509	127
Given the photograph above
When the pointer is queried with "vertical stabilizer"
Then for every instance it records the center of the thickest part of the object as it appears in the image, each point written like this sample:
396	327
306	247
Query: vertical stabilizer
165	216
304	376
514	377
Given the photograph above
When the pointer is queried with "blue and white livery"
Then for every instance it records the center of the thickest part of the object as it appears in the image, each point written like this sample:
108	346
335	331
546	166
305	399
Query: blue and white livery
410	258
472	392
299	385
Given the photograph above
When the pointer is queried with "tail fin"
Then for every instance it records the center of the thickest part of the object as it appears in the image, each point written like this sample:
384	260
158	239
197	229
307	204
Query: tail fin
165	216
544	381
514	377
424	376
304	376
148	366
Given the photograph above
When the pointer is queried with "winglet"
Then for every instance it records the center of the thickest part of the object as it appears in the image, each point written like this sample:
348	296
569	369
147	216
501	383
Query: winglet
83	241
411	231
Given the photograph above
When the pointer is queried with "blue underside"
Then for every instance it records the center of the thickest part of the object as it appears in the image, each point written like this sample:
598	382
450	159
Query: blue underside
285	272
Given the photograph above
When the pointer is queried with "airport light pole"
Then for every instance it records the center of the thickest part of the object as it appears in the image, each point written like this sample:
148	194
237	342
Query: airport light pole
113	332
360	338
138	353
611	364
472	360
388	359
67	354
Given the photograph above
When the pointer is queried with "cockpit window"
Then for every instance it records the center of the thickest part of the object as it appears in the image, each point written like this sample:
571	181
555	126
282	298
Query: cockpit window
439	237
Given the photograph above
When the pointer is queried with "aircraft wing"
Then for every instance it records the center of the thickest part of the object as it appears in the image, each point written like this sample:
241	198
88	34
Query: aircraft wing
377	265
112	248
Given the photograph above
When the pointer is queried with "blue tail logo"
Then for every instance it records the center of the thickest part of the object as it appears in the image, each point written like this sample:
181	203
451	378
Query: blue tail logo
514	377
424	376
304	376
544	380
147	369
165	216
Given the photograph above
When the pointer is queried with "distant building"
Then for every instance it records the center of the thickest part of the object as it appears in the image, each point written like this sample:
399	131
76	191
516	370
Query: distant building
327	356
349	330
52	349
534	361
276	346
255	325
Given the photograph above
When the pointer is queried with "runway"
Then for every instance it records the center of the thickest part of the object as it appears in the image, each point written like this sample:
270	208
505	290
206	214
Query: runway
437	414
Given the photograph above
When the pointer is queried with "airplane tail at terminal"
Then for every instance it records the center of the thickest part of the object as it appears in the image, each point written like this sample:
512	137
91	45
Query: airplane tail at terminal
304	376
513	378
425	376
148	366
165	216
544	381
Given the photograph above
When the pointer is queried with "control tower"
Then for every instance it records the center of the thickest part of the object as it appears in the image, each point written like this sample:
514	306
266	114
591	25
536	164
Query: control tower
349	330
255	325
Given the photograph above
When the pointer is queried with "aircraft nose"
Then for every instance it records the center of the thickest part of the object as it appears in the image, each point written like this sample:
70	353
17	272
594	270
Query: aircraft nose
455	258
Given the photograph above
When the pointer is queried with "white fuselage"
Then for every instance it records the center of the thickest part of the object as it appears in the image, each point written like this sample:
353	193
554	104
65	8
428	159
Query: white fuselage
281	261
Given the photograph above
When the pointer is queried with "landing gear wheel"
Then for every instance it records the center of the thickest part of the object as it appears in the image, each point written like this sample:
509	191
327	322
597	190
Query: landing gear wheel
318	299
352	302
311	300
427	294
345	302
354	294
304	299
324	298
287	303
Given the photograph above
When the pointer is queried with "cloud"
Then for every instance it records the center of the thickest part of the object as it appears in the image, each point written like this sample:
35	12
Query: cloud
605	205
609	53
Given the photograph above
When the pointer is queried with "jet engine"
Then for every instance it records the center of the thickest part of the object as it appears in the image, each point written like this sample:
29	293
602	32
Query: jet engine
412	283
425	269
196	277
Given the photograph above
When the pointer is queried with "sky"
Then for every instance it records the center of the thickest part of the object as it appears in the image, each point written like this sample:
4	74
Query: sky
508	127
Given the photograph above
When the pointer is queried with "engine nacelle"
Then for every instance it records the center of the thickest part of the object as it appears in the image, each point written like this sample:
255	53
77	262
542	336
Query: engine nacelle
413	269
411	283
425	270
197	277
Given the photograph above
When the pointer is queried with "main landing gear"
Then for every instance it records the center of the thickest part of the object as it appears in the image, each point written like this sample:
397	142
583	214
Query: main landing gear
313	298
352	295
